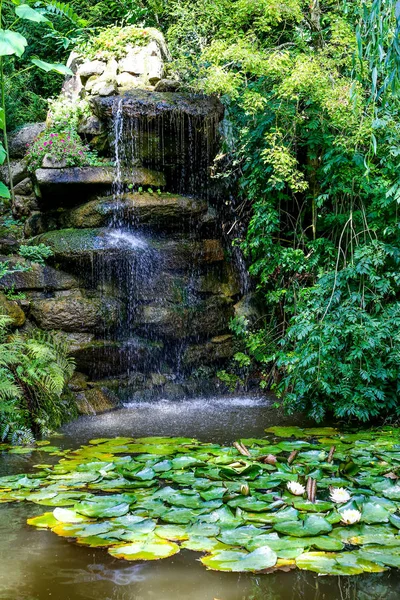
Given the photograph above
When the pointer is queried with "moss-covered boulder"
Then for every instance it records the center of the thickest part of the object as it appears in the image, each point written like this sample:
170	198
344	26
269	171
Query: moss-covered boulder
150	210
216	351
71	311
77	247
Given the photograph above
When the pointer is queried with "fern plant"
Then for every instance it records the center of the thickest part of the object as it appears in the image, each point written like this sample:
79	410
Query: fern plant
34	371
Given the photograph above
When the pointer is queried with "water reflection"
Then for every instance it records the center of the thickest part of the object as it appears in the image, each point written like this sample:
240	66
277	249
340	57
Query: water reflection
37	565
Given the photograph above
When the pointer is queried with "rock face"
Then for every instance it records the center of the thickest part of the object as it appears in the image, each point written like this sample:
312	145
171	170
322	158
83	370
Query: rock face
140	282
74	184
19	140
136	66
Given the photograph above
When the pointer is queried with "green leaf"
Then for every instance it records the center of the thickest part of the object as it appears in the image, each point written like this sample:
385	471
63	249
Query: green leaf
103	507
238	561
24	11
57	67
12	42
311	526
4	191
151	549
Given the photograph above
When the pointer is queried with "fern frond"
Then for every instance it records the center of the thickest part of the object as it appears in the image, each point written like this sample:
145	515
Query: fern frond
64	9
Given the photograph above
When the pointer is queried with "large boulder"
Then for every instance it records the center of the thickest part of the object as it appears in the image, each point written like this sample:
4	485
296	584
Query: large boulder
32	276
72	185
148	104
216	351
80	246
156	211
19	171
71	311
205	318
103	358
20	139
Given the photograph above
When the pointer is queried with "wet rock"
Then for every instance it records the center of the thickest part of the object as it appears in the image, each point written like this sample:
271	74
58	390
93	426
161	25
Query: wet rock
12	309
19	171
24	188
103	358
96	401
142	103
22	206
249	307
80	246
158	379
91	67
91	126
160	211
208	317
72	311
167	85
35	277
20	139
72	185
218	350
78	382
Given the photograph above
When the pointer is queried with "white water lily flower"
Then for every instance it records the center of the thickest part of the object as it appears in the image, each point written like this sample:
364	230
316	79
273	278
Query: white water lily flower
349	517
296	488
340	495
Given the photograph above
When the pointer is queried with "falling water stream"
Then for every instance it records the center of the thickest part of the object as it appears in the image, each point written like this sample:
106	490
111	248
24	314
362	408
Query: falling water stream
36	564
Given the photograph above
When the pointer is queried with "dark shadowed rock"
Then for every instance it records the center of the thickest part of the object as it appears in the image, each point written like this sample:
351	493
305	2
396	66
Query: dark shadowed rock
206	318
72	185
35	277
20	139
219	349
142	103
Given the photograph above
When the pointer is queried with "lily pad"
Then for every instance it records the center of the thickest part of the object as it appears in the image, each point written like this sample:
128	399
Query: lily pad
239	561
310	526
151	549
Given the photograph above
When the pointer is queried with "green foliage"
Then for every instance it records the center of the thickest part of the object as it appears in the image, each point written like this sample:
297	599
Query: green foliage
310	92
36	254
34	370
63	147
112	41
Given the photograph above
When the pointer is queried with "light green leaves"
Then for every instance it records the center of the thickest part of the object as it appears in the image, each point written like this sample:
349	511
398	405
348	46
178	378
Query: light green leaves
151	549
4	191
239	561
12	42
24	11
57	67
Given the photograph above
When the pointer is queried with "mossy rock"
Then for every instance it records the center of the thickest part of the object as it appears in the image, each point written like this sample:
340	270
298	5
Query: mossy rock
12	310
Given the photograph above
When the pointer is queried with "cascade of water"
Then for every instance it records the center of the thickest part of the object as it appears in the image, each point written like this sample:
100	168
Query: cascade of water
160	274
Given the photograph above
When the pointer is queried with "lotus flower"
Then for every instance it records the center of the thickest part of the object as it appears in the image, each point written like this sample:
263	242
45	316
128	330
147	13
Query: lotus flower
349	517
296	488
340	495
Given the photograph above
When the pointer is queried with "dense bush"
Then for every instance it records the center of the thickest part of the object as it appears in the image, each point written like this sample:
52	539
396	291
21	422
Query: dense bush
65	148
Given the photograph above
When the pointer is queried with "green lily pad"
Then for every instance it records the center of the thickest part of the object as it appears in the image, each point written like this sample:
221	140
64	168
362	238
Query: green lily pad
45	521
239	561
151	549
309	527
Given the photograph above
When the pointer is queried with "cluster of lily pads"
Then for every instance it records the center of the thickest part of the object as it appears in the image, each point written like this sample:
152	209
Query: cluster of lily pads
315	499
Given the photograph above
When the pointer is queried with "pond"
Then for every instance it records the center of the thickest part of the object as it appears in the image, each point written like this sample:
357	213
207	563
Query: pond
37	564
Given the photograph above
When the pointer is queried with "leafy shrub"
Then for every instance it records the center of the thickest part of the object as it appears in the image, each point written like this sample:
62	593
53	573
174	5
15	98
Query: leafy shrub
34	371
65	147
112	42
36	254
65	114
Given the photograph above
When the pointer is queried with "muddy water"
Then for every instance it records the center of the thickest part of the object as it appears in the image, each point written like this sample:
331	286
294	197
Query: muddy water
36	565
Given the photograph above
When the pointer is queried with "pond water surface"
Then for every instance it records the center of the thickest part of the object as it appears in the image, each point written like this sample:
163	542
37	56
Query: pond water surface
36	564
